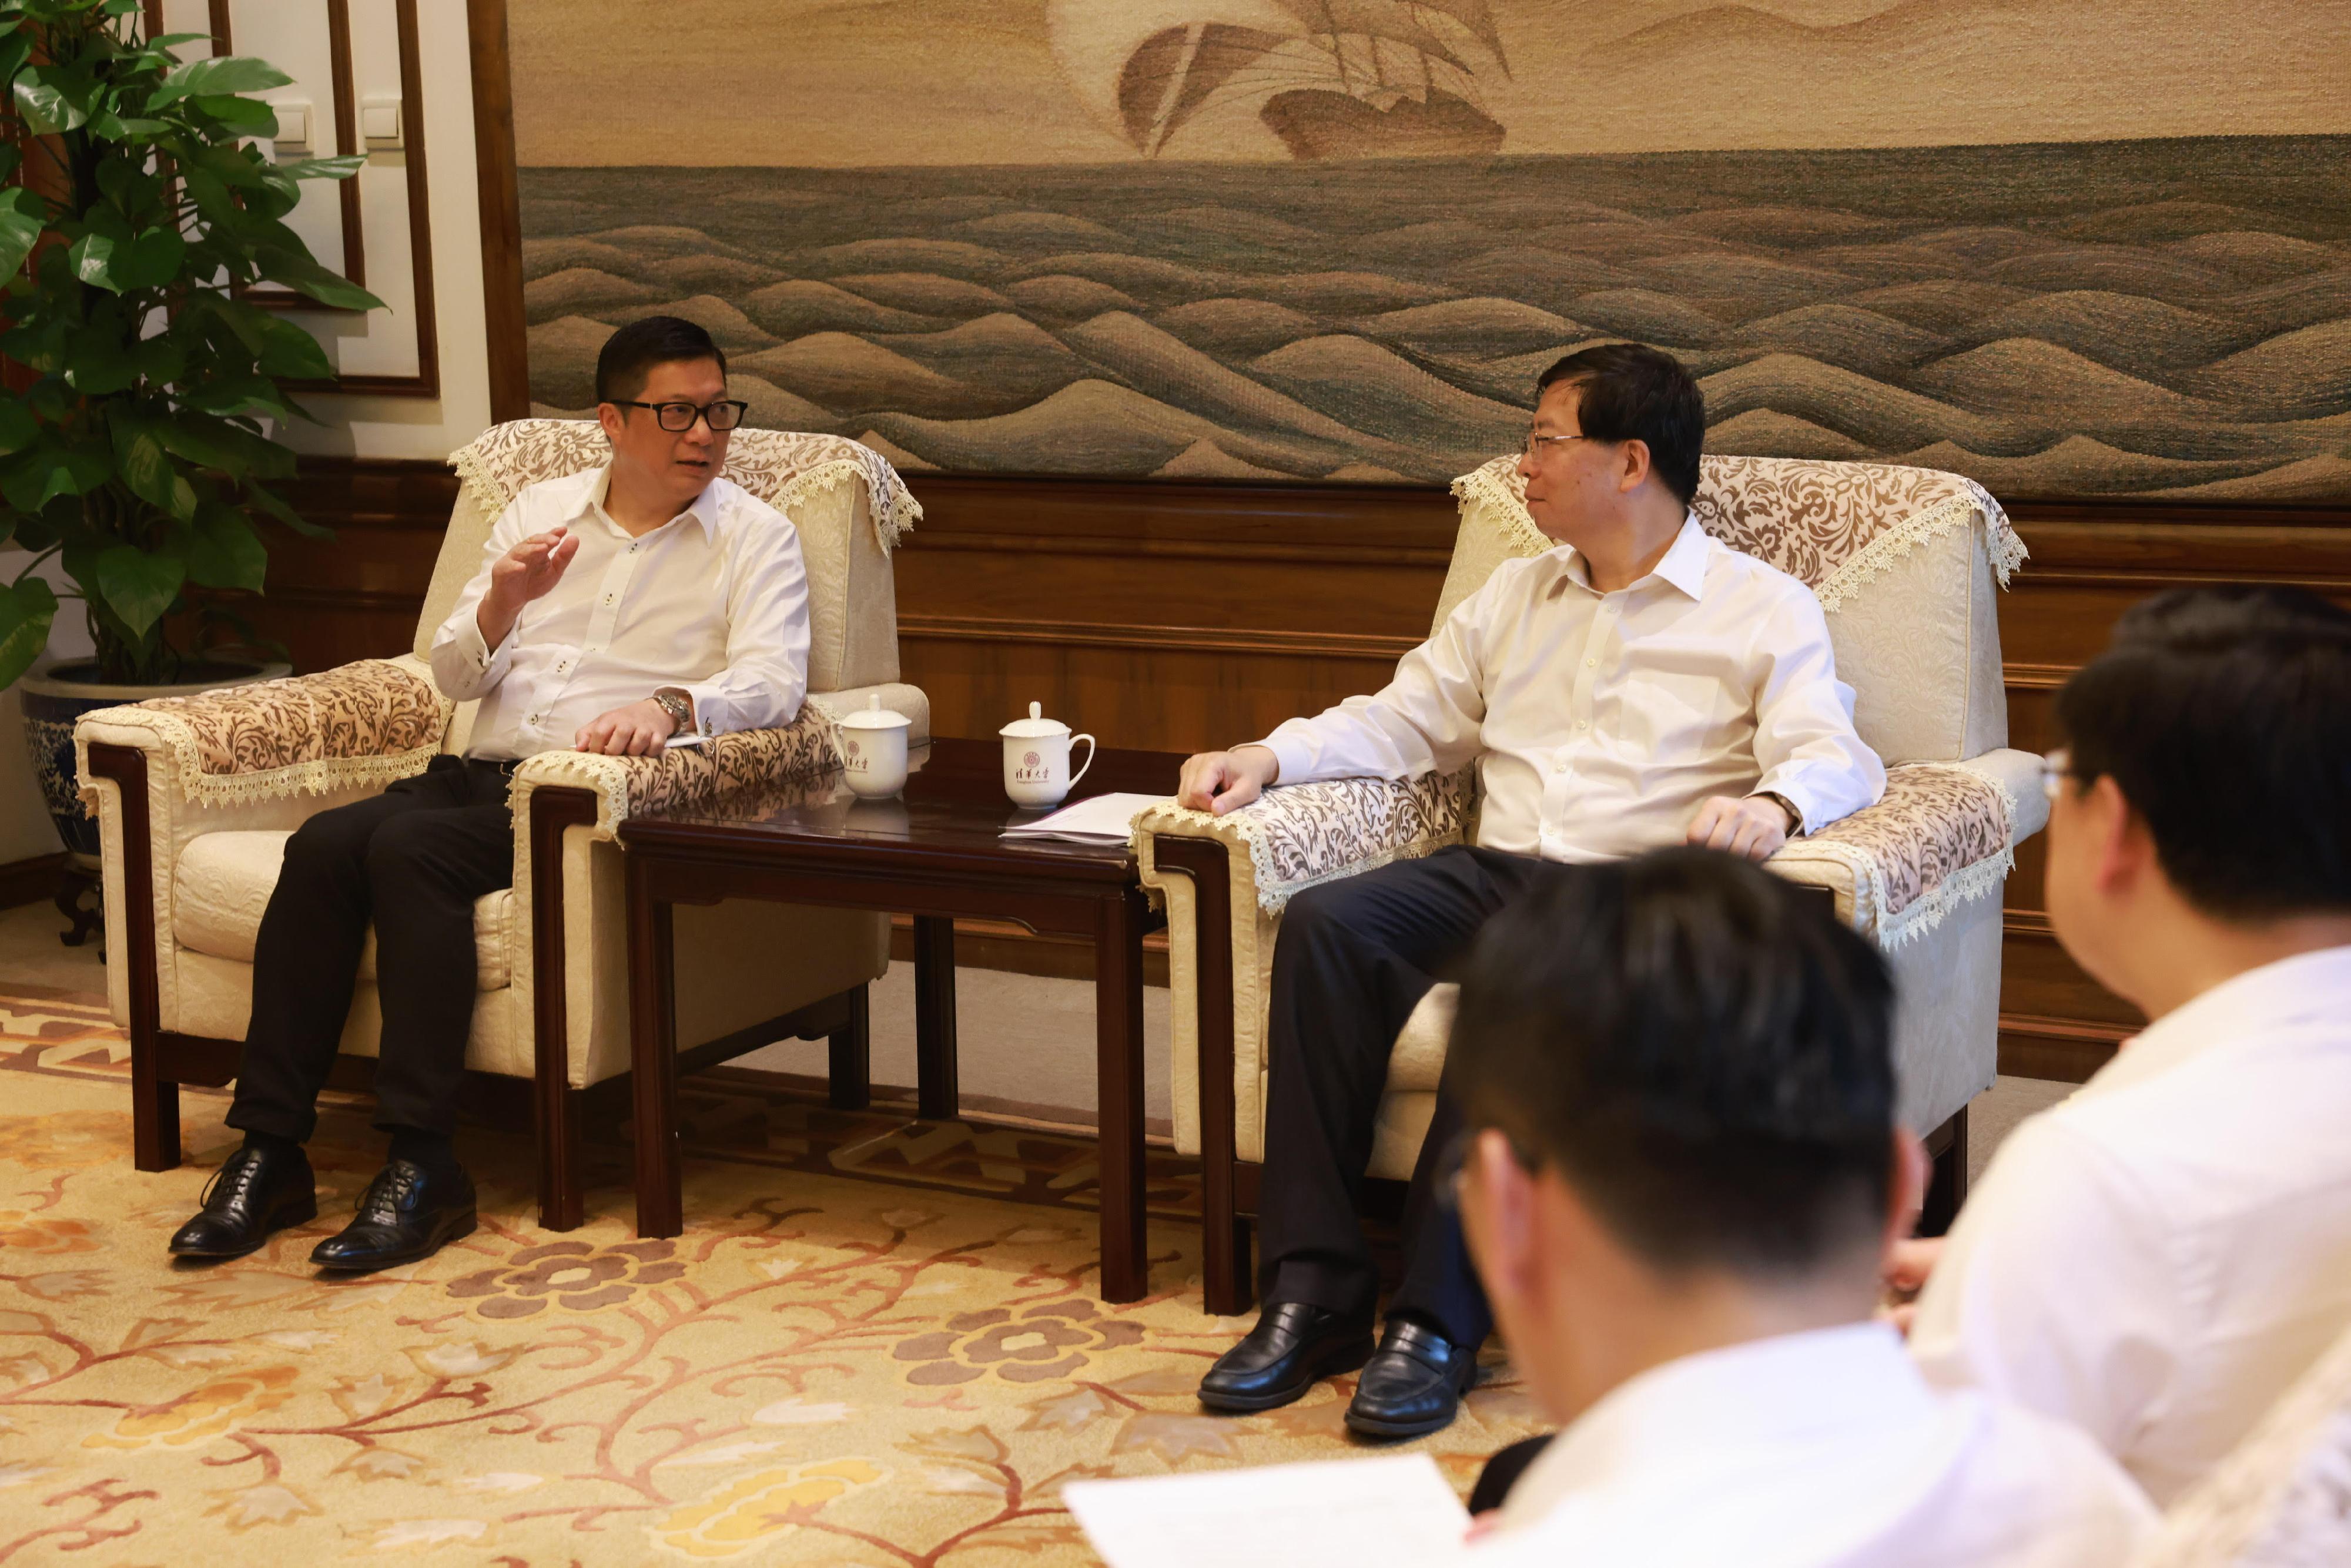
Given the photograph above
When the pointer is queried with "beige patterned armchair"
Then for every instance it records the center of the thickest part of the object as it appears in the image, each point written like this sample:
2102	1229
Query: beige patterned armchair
1904	563
196	797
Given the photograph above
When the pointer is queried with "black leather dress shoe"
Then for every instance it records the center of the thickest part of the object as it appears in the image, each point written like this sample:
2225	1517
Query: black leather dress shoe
1292	1344
407	1213
254	1193
1413	1384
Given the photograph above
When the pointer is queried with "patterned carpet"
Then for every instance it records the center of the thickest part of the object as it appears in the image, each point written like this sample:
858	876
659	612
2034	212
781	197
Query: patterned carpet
899	1366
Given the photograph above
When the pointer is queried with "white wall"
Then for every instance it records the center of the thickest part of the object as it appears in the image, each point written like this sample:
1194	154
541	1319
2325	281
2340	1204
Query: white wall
292	36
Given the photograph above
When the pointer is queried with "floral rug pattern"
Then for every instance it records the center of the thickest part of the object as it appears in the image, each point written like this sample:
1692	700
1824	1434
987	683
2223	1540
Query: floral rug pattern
882	1368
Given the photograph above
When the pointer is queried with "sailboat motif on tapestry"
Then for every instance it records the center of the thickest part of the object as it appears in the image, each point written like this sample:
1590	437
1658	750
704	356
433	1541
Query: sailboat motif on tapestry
1332	79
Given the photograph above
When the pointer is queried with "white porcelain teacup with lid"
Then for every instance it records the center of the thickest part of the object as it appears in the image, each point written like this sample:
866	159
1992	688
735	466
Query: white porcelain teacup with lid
872	742
1037	758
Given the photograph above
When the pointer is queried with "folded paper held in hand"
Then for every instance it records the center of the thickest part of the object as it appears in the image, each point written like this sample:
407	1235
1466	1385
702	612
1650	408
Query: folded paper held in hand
1348	1513
1103	819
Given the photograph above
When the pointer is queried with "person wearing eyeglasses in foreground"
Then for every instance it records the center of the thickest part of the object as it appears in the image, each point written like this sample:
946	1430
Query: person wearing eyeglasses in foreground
615	609
1679	1175
2158	1257
1639	685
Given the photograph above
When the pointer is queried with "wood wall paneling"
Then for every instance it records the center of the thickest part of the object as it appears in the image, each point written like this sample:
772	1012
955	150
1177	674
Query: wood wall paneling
1185	616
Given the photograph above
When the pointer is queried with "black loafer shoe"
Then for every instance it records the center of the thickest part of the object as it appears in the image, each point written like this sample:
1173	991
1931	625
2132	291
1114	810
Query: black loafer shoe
1413	1384
407	1213
254	1193
1292	1344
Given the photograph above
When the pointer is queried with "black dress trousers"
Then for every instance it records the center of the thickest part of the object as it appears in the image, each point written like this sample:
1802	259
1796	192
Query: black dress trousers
412	860
1353	960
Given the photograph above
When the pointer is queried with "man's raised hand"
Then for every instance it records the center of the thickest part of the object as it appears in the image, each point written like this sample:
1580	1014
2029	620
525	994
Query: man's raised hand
1755	827
1222	781
521	575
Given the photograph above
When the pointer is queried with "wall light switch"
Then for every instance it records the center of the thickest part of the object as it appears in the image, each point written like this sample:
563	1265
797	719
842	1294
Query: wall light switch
293	128
380	125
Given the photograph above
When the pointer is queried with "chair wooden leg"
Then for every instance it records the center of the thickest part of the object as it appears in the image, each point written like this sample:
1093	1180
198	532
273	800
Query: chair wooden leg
1227	1287
850	1056
155	1114
562	1181
1947	1186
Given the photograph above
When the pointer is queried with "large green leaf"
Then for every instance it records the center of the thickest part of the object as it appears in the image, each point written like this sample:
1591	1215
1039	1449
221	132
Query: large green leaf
324	168
224	552
268	501
287	351
228	73
53	98
139	585
149	261
296	270
93	260
31	480
238	395
147	467
96	362
245	116
22	217
26	610
18	428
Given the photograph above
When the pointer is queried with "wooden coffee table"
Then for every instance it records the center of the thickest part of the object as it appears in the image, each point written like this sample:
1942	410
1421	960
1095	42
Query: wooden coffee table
933	852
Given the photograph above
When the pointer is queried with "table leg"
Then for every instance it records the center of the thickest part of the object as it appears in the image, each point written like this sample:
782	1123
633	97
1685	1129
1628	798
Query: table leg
652	1040
1118	1068
938	1097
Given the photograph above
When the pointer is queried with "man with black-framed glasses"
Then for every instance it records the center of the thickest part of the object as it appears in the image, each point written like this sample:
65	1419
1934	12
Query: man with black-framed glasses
617	610
1680	1173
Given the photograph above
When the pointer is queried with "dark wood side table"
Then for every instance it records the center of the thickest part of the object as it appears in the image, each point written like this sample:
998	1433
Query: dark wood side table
934	852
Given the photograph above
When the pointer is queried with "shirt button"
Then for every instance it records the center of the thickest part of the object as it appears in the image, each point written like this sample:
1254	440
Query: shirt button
1590	664
608	599
1584	724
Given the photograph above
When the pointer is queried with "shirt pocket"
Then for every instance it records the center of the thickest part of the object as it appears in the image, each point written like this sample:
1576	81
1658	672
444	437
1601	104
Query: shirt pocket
1671	716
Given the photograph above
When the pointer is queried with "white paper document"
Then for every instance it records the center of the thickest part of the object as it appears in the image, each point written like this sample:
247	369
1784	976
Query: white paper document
1346	1513
1103	819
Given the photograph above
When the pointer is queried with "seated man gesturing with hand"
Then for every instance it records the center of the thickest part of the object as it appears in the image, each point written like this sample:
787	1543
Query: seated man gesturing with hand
1641	685
614	609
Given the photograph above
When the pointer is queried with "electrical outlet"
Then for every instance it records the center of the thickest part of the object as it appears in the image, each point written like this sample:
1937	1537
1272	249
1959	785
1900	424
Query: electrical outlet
380	125
293	138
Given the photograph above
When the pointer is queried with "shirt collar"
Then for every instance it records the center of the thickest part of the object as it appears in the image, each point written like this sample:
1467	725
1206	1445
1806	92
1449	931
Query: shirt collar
1682	565
702	508
1855	1379
2243	1006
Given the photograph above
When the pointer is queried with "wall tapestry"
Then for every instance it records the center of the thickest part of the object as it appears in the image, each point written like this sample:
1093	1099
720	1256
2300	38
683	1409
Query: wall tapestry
2070	248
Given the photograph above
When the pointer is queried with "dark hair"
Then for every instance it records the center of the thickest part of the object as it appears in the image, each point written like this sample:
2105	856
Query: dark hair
629	355
1698	1047
1634	393
2224	716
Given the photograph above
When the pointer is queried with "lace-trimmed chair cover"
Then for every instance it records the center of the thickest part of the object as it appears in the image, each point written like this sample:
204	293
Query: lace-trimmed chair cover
2282	1498
225	777
1906	562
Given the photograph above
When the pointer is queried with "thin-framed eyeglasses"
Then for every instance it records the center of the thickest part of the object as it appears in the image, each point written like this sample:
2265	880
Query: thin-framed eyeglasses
2055	768
1535	443
677	418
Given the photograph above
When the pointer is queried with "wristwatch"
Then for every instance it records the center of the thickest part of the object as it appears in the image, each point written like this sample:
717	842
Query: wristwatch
680	711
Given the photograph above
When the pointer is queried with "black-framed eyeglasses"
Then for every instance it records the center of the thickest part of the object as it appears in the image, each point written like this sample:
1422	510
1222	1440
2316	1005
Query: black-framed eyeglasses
677	418
1453	1165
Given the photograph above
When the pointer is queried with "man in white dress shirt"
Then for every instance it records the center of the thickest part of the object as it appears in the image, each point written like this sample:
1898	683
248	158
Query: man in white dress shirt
1640	685
615	610
1682	1174
2156	1258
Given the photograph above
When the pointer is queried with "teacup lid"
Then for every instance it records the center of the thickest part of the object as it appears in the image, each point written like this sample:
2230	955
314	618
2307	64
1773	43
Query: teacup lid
1036	723
874	716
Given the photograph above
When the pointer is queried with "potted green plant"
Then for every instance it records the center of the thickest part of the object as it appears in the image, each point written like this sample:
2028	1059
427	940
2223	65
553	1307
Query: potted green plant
136	213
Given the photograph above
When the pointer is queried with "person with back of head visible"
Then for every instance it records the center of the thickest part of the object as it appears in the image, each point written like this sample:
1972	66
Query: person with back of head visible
614	609
1680	1173
2157	1256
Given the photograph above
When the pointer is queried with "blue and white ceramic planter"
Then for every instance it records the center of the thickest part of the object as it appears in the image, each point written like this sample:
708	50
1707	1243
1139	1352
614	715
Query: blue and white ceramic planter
58	694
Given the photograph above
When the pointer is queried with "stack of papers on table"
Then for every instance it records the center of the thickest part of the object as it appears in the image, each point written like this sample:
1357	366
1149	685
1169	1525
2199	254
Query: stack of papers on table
1345	1513
1104	821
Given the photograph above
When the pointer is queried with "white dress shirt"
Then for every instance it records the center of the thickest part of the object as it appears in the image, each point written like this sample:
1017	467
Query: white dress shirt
1823	1449
2155	1258
1601	721
713	604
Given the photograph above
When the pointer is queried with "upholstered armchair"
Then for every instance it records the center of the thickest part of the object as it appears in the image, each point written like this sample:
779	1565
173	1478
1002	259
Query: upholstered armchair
196	797
2281	1498
1904	563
